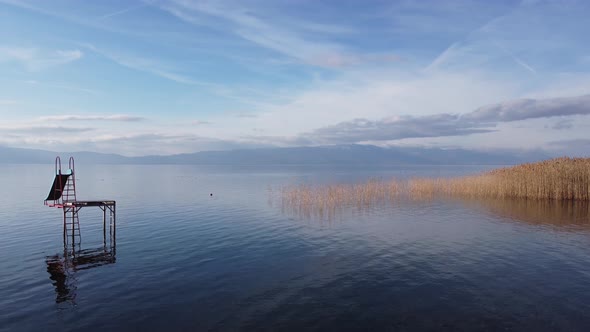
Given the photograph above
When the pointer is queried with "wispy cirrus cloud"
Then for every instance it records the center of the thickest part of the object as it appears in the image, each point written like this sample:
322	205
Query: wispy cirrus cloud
144	64
122	11
62	86
521	37
114	117
69	14
300	40
34	59
270	59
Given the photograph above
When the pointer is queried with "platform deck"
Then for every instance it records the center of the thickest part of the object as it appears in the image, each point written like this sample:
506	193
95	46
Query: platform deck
90	203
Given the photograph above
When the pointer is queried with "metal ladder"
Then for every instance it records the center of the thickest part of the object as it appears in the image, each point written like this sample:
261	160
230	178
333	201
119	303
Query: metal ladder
71	220
72	233
69	190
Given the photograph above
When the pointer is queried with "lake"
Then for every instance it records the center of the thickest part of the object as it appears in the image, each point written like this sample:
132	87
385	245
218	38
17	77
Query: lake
238	260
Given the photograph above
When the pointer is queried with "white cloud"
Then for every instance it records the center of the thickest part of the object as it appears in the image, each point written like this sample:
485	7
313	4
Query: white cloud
489	58
33	130
199	122
115	117
482	120
374	95
34	59
523	109
131	144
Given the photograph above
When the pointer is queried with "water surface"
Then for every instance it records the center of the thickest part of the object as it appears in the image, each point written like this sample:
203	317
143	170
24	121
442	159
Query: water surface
185	260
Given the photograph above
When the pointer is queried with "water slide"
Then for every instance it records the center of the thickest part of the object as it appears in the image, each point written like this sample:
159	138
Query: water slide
58	186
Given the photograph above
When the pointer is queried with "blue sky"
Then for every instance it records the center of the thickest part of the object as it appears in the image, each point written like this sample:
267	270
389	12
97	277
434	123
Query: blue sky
163	77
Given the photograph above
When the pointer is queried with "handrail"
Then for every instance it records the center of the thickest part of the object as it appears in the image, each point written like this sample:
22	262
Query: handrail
71	164
60	185
57	162
73	175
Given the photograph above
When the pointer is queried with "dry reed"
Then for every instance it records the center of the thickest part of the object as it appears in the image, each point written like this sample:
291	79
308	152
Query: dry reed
555	179
309	200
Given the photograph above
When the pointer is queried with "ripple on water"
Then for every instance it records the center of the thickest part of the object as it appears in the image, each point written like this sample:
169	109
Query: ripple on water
187	261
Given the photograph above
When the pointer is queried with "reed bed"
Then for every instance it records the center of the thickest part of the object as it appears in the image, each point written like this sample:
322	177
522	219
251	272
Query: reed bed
324	200
555	179
561	179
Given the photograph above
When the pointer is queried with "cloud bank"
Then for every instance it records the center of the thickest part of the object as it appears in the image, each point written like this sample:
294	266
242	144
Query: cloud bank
523	109
115	117
482	120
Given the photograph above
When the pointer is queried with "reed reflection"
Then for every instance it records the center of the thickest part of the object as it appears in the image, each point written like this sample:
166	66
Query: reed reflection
560	214
329	202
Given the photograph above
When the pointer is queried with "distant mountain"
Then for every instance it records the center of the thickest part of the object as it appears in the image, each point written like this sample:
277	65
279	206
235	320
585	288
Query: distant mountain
341	154
32	156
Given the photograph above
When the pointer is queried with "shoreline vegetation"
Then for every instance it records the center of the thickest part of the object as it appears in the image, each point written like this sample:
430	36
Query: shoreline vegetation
559	179
554	179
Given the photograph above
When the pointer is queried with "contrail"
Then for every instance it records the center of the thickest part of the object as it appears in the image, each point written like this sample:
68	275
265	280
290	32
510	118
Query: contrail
516	59
123	11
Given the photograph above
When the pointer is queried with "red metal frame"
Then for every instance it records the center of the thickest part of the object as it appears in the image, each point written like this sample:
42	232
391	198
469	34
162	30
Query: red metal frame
57	165
67	192
70	192
70	206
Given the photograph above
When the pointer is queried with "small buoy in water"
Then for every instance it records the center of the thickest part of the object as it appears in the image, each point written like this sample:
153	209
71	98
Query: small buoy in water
211	194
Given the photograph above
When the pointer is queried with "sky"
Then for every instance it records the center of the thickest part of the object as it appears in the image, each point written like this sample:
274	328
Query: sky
180	76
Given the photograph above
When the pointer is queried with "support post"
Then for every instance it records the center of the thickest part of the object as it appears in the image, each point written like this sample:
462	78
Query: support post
65	228
114	219
104	225
73	228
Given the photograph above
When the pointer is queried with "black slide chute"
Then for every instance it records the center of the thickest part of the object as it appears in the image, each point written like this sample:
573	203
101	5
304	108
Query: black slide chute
58	186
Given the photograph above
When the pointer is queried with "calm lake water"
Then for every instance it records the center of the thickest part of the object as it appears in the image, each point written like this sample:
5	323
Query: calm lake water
184	260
